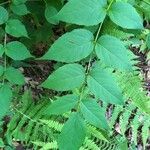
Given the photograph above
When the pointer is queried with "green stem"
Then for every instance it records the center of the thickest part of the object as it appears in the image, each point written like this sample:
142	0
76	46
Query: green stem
110	5
5	57
96	38
90	59
5	3
97	35
98	32
89	66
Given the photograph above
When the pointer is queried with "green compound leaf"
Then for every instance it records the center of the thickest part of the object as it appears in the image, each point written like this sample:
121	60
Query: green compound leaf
104	87
113	53
1	50
61	105
17	51
73	133
71	47
3	15
15	28
93	113
14	76
83	12
66	78
5	98
20	9
125	15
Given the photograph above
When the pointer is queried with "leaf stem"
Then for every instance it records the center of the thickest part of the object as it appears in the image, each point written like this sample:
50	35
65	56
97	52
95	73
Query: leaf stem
5	61
109	5
90	59
5	57
5	3
96	38
98	32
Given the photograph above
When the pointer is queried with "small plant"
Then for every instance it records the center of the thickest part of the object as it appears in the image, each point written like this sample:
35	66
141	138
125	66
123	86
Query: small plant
94	96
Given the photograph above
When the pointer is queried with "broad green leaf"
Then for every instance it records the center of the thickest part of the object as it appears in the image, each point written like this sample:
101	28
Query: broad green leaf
83	12
5	98
17	51
73	133
20	9
93	113
14	76
104	86
113	53
15	28
148	41
1	50
3	15
1	70
66	78
71	47
61	105
50	11
17	2
125	15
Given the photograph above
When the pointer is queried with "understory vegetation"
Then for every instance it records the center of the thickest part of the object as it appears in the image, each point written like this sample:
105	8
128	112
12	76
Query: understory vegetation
74	74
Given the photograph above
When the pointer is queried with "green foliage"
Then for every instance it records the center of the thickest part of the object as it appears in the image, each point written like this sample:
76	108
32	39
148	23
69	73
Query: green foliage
130	85
17	51
123	115
15	28
74	46
20	9
113	53
67	77
49	13
93	113
4	15
17	2
5	97
126	19
73	133
62	104
103	86
78	12
148	41
93	97
14	76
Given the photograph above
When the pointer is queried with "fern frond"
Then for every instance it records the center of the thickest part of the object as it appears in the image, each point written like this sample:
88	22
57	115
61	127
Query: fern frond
46	146
53	124
129	117
96	133
25	125
135	125
132	89
107	145
145	132
114	30
90	144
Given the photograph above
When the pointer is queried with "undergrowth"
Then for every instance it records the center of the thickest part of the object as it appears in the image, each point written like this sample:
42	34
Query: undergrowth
70	74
